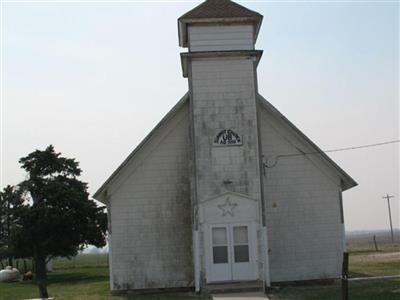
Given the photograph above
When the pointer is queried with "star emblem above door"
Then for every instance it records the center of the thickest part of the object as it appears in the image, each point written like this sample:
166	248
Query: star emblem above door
227	207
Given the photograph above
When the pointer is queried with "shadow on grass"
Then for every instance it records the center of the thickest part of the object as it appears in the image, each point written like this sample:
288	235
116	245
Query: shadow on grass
75	278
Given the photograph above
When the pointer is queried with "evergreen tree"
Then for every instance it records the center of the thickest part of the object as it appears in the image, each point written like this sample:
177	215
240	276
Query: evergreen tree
55	216
9	199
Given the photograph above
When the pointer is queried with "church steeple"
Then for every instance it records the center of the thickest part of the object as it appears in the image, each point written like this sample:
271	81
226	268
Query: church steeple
220	12
221	67
217	28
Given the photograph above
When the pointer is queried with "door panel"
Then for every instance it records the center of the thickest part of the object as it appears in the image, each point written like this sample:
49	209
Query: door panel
220	245
220	265
243	268
241	244
231	253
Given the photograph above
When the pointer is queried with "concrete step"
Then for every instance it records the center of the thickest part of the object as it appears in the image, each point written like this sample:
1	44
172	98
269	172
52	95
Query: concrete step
235	287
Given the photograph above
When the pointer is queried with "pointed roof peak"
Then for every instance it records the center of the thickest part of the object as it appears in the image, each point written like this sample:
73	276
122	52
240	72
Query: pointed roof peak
220	9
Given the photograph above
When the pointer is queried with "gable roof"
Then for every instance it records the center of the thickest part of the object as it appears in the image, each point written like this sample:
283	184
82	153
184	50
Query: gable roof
218	11
98	194
346	180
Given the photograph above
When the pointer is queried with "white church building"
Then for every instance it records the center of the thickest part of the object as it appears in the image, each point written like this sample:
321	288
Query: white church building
225	188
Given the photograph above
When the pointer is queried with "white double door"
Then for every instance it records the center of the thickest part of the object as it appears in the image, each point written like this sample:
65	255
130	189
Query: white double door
231	253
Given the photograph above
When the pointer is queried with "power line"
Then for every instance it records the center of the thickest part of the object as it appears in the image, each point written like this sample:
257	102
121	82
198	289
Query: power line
277	157
362	146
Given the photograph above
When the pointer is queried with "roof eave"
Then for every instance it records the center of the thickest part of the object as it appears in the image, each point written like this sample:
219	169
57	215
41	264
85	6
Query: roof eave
99	194
185	56
347	182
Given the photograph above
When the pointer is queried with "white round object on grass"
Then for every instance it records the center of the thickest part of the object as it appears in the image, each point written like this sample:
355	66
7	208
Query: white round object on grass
9	274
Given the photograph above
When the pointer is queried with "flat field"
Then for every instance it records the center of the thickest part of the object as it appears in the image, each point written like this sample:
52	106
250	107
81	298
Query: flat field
86	278
361	265
364	261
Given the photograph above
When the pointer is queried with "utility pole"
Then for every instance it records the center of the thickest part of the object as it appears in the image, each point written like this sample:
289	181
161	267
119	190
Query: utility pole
390	215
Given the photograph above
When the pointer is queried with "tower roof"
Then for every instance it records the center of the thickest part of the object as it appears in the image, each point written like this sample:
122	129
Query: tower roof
218	11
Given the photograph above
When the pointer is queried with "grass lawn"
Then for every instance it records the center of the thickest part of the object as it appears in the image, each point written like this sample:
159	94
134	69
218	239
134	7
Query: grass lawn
382	264
371	290
86	278
90	283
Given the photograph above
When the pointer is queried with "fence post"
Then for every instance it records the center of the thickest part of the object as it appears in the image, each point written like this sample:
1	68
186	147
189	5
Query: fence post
345	275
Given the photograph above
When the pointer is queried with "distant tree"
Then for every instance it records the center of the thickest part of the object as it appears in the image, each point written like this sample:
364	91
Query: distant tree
9	199
56	216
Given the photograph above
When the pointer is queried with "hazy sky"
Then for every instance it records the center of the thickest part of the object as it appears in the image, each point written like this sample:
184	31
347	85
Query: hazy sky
94	78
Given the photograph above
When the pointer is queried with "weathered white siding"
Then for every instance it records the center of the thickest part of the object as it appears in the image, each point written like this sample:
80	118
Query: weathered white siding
223	97
221	38
150	213
302	209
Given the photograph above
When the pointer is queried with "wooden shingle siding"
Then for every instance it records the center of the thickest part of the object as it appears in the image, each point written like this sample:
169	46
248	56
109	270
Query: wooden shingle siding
221	38
150	213
224	98
305	233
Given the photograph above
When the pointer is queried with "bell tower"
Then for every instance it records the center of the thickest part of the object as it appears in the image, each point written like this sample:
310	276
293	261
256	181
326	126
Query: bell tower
221	67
